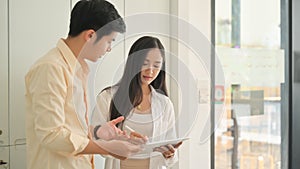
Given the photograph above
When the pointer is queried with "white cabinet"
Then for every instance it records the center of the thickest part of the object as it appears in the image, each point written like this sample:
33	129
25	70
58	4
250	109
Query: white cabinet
34	28
17	157
4	156
4	131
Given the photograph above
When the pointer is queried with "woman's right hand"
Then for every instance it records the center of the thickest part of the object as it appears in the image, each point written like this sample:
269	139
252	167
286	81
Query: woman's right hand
168	151
137	138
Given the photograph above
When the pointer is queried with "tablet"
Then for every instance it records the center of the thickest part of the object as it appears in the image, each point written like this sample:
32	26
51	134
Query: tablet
148	147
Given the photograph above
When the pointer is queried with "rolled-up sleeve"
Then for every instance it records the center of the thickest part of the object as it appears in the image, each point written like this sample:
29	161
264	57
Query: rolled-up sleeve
101	111
47	87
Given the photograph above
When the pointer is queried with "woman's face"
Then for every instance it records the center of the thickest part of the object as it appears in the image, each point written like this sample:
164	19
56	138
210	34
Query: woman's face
152	66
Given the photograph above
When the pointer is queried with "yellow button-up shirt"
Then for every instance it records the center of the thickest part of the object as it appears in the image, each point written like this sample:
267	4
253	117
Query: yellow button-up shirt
56	127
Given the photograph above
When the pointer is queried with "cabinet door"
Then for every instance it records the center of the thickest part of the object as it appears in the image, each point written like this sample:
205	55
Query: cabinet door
4	131
35	27
4	156
17	157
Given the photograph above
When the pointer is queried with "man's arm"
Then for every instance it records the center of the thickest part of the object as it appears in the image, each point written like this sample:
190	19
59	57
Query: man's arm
48	89
117	148
93	148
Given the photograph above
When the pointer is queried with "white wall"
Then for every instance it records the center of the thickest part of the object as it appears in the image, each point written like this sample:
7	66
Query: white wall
196	152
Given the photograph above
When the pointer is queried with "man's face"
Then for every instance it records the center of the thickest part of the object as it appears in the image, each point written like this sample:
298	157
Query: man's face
95	50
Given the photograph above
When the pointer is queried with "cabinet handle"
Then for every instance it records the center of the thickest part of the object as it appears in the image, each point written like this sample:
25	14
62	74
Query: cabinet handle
2	162
20	141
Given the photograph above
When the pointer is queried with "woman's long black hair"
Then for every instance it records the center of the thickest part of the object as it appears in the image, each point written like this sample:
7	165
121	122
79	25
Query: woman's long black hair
129	93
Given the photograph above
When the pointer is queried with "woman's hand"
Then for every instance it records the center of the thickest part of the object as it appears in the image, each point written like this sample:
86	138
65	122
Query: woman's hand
137	138
168	151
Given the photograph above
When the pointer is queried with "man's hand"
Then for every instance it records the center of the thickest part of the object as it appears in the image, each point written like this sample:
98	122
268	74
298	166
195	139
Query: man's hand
119	148
109	130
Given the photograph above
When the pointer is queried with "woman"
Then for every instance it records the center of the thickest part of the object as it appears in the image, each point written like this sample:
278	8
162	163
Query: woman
141	97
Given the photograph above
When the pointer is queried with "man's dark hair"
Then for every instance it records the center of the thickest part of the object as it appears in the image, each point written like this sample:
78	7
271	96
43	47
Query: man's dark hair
99	15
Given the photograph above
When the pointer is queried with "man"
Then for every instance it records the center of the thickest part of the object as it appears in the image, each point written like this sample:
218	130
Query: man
57	129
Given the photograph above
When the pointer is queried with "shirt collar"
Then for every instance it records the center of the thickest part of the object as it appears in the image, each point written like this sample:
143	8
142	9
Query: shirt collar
67	54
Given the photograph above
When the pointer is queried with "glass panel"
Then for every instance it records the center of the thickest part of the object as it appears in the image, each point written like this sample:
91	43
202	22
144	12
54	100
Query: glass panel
248	134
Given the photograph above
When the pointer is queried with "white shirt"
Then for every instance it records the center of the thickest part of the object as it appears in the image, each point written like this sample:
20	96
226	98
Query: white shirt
143	124
140	122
